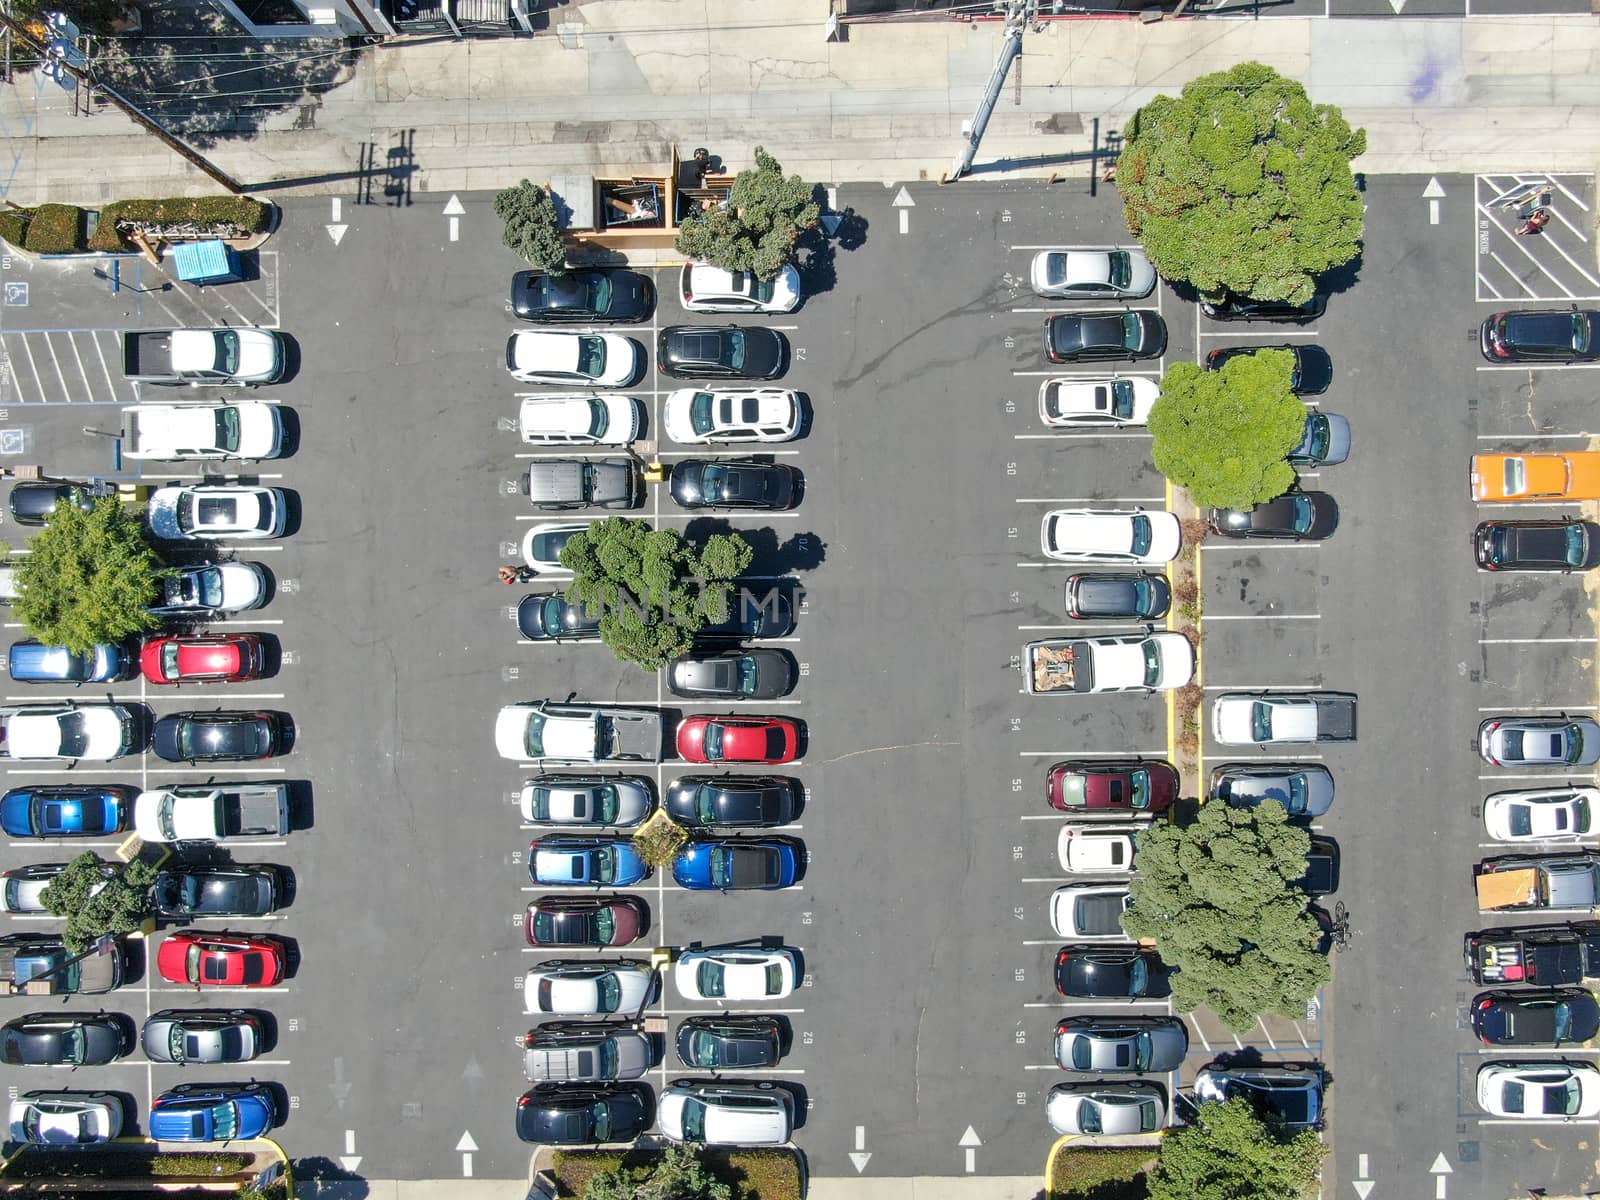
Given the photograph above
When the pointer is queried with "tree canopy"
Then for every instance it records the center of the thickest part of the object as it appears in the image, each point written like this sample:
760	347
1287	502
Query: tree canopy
1219	898
1229	1153
89	577
1243	185
98	898
757	230
532	227
1223	434
677	1175
654	590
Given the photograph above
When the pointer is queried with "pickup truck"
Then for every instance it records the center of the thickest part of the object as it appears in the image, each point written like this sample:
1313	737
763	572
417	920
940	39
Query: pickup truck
178	432
1543	955
197	357
207	812
1543	881
1242	719
37	964
577	734
1079	666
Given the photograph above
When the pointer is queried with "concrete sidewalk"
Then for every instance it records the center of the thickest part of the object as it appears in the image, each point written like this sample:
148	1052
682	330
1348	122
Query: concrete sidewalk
866	1187
617	82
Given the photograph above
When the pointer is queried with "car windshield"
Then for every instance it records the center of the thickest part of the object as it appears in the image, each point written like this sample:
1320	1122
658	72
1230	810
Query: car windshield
1142	534
702	413
604	922
1302	513
713	740
721	866
535	735
1577	544
1143	596
74	734
736	348
1317	442
205	587
1261	722
1121	268
712	979
1122	398
713	481
599	293
1089	1116
1299	793
1139	796
591	356
191	963
1131	330
226	1126
600	1114
694	1121
182	1046
1516	476
1152	662
605	865
227	429
1580	333
597	421
1563	1020
1574	743
774	979
169	659
227	351
608	993
747	676
606	804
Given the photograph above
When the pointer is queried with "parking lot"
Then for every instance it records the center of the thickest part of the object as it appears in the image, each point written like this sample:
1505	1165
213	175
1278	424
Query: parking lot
921	1039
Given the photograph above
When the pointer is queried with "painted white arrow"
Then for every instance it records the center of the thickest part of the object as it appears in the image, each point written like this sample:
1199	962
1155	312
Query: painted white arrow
859	1159
349	1160
1363	1187
970	1141
336	232
453	210
466	1145
1441	1172
1433	193
904	202
1441	1166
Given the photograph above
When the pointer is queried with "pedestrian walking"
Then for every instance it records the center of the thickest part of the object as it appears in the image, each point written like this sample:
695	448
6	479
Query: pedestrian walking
511	575
1537	221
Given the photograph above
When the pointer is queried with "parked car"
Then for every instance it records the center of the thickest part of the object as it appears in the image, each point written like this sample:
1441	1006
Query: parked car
566	860
1090	912
586	359
28	956
736	739
549	617
212	589
1113	787
585	921
716	1113
1097	403
1322	868
203	1035
1112	972
1290	1096
35	662
65	1039
224	890
1297	516
752	617
736	973
1325	443
1110	536
733	801
66	810
213	1112
21	887
231	960
542	544
557	484
1111	274
704	288
1529	1090
554	1114
33	500
1541	335
1304	789
1564	814
582	1052
1117	596
721	352
66	1118
1112	663
743	483
582	297
1310	375
218	512
1550	881
579	420
1136	1044
733	675
1096	336
1552	475
1535	1017
1539	741
79	732
1096	849
697	416
736	864
1112	1108
219	736
215	658
1246	308
720	1042
1565	545
603	800
591	987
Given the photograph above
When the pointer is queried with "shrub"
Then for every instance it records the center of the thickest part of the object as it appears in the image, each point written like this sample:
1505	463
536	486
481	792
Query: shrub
55	229
752	1174
250	216
1110	1174
125	1163
659	839
14	225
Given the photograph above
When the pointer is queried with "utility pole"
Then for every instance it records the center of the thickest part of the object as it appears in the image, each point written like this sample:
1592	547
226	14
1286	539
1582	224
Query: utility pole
1018	14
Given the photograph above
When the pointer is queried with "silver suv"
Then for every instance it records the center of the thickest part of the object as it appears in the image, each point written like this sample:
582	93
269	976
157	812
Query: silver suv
573	1052
562	483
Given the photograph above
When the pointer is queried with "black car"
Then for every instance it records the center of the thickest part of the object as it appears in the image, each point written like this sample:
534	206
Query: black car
547	617
65	1039
716	1042
1298	516
1569	545
1535	1017
32	501
734	675
1116	595
221	891
220	736
581	297
721	352
1313	369
1243	308
563	1114
1092	336
1322	868
733	483
747	801
1111	972
753	614
1542	335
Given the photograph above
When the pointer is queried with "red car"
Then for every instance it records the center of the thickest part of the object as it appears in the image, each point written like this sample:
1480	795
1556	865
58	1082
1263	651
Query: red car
225	658
1086	786
221	960
738	739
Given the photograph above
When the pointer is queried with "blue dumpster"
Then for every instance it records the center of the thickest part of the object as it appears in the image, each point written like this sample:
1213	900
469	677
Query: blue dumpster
207	262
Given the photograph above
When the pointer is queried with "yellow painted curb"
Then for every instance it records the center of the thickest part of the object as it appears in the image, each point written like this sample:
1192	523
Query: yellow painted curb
1050	1160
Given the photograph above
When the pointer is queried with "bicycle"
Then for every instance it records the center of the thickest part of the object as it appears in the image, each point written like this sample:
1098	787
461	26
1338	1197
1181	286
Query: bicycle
1339	929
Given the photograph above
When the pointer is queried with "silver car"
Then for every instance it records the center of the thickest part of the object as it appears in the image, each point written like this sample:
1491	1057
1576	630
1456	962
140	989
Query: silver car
588	987
1136	1044
1292	1095
615	801
66	1118
1093	274
1304	789
201	1035
563	1052
736	675
1114	1107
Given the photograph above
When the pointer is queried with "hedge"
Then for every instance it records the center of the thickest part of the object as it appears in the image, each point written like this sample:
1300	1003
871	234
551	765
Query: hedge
55	229
753	1174
123	1164
251	216
1109	1174
14	224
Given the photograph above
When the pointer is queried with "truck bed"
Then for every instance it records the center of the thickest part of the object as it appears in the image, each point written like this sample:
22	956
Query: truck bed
634	736
1336	718
1051	667
147	354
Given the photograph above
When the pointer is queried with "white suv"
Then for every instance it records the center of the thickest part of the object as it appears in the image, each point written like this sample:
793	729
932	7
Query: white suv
579	420
704	288
1110	536
726	1114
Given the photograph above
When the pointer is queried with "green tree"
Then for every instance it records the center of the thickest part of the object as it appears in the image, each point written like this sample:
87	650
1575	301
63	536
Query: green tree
757	230
654	590
532	228
98	898
1218	896
677	1175
1223	434
90	577
106	18
1242	185
1228	1153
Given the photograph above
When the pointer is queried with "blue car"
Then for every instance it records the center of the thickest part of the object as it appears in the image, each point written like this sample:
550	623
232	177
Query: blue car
34	662
212	1112
732	864
591	862
66	810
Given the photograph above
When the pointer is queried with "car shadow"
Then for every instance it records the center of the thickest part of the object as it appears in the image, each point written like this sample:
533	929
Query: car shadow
302	812
291	431
286	734
328	1180
291	358
269	1029
291	954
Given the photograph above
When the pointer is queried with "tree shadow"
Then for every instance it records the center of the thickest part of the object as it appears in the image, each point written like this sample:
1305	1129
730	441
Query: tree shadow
772	557
325	1179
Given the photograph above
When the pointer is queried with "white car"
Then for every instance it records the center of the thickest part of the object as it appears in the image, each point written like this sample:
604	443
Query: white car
213	512
715	1113
588	988
543	543
586	800
1105	535
701	416
1132	662
181	432
598	359
1097	849
1546	815
579	420
210	588
1090	912
1539	1091
1096	274
66	1118
87	732
1097	403
735	973
704	288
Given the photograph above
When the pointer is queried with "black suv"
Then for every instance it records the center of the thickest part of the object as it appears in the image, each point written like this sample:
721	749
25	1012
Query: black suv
556	1114
1542	335
1243	308
581	297
1569	545
721	352
1089	336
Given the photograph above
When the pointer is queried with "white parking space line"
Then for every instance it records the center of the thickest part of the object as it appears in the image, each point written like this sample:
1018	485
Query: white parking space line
1533	437
1566	1123
1091	753
1530	641
199	994
1567	1048
62	844
1088	628
244	621
1535	708
135	697
1102	435
1259	544
1275	334
1091	500
1553	777
1262	687
1533	366
1496	506
1243	752
1261	617
1079	1003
